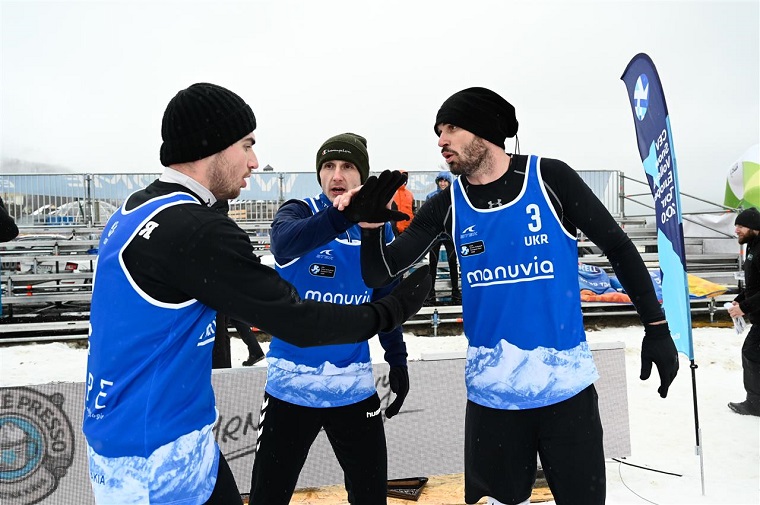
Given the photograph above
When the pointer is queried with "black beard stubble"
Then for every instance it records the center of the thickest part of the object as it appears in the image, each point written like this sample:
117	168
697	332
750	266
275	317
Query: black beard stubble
474	158
218	175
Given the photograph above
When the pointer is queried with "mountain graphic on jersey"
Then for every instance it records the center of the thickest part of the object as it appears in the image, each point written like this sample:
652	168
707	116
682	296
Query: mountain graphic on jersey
325	386
169	461
507	377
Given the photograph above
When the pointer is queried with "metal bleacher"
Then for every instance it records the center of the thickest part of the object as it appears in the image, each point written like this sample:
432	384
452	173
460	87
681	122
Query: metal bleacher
721	268
43	269
43	275
46	274
46	279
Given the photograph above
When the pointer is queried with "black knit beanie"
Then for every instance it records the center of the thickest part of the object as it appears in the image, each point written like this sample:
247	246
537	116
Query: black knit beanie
347	147
749	218
202	120
479	111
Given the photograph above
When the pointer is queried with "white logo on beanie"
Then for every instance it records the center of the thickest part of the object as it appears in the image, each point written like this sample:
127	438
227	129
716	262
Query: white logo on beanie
346	151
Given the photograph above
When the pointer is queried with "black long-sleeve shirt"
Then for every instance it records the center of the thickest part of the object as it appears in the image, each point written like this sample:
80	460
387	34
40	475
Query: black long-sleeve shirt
574	202
196	252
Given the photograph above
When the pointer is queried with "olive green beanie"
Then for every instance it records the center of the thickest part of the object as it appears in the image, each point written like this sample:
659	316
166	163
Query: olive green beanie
347	147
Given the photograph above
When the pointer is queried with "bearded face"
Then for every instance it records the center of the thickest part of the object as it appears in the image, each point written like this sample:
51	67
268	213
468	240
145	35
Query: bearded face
221	182
228	170
745	235
224	177
473	157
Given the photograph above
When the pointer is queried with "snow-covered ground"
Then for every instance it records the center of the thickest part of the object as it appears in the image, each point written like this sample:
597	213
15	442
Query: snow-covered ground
662	430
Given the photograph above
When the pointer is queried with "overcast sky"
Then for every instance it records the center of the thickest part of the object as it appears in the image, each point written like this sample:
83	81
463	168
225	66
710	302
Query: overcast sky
85	84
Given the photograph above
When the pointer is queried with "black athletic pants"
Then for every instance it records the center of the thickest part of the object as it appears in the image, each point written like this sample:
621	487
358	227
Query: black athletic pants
751	364
249	339
225	491
286	433
500	451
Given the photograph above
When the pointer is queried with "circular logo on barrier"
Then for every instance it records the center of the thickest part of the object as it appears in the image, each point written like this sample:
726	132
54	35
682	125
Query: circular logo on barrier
36	445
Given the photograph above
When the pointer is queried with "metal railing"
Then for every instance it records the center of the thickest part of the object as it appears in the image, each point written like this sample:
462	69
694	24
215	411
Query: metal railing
644	201
45	200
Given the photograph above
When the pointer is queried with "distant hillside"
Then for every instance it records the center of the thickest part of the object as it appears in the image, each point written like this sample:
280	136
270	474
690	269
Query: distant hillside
16	166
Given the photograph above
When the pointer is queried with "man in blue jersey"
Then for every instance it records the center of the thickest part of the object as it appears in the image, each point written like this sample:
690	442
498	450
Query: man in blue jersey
330	387
167	263
529	371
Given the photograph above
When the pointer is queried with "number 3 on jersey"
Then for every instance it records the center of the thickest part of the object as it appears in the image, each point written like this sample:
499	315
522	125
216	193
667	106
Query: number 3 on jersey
535	216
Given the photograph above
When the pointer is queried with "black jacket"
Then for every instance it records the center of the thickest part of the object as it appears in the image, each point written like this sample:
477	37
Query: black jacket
749	296
8	228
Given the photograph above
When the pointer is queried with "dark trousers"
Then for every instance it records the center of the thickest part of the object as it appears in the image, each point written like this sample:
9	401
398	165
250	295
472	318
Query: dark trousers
286	433
500	450
751	364
249	339
226	490
453	267
221	356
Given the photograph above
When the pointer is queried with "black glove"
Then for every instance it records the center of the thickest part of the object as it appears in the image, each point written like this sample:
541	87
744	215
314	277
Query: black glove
399	381
658	348
369	204
405	300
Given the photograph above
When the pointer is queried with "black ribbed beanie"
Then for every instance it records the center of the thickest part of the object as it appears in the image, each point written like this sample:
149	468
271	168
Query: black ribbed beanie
202	120
749	218
479	111
347	147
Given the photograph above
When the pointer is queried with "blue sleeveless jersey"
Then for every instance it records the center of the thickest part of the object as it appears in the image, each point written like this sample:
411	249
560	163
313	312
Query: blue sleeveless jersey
331	375
521	301
149	405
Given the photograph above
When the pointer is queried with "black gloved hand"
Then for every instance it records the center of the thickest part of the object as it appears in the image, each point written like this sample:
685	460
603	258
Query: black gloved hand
399	382
405	300
658	348
369	204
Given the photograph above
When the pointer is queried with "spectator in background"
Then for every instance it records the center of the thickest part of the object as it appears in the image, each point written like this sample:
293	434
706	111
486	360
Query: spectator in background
222	354
403	201
8	228
332	388
246	334
747	303
443	181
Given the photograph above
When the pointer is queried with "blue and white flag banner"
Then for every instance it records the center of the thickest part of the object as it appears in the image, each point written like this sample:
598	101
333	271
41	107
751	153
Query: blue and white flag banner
655	140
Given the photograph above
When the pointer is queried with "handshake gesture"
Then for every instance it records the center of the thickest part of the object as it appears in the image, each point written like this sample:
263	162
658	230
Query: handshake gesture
369	203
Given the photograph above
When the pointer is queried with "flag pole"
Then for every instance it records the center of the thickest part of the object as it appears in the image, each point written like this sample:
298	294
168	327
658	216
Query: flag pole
655	143
697	429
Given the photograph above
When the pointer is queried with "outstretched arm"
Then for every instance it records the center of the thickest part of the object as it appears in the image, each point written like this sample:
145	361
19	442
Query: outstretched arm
381	263
296	230
210	259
